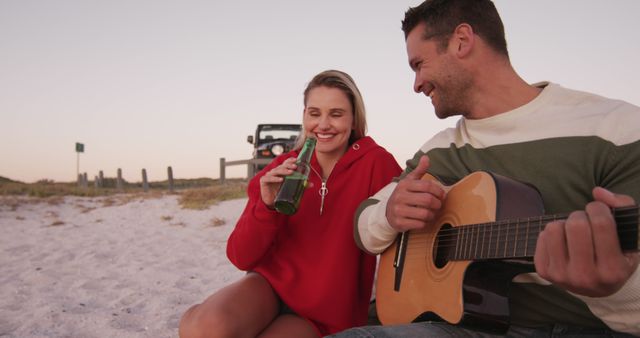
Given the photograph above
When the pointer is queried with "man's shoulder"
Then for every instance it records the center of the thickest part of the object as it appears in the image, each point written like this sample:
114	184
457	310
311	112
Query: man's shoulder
582	98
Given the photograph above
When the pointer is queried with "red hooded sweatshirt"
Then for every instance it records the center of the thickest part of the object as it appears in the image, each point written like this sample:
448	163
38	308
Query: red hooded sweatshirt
311	259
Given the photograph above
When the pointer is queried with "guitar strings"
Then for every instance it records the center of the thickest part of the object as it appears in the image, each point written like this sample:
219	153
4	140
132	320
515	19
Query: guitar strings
463	237
452	234
510	230
520	249
536	221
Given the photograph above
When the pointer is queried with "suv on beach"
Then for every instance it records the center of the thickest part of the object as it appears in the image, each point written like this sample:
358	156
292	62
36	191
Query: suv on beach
271	140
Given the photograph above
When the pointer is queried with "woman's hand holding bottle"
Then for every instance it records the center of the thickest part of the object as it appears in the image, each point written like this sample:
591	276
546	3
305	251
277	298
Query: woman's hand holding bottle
270	183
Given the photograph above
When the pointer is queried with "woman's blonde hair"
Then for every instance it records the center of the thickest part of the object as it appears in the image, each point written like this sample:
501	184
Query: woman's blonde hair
344	82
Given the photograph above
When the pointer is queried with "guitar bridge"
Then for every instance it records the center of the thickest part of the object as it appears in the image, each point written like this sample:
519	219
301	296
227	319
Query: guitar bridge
398	261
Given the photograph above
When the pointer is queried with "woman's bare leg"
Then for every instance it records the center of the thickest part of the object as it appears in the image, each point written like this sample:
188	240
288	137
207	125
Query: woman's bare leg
242	309
289	325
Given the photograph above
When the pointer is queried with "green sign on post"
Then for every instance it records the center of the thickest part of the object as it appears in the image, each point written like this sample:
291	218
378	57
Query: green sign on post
79	149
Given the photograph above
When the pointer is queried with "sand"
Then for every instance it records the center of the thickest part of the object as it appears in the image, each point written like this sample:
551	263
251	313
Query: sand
117	266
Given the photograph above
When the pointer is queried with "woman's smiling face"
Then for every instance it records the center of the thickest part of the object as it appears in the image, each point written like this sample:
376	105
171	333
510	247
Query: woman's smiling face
328	116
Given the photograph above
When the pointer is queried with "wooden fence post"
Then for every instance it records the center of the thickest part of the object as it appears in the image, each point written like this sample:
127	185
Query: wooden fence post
250	170
119	180
101	179
222	169
145	184
170	174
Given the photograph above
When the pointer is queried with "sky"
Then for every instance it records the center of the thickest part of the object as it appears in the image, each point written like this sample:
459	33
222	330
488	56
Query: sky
157	83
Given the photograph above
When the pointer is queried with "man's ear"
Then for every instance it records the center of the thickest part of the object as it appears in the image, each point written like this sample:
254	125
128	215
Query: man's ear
463	40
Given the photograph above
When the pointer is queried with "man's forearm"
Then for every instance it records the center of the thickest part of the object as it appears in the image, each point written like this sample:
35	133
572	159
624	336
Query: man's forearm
373	232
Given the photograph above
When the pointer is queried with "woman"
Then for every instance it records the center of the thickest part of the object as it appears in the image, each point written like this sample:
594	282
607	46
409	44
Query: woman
307	278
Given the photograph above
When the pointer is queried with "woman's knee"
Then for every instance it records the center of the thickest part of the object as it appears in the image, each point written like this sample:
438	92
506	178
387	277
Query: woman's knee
187	327
241	309
202	322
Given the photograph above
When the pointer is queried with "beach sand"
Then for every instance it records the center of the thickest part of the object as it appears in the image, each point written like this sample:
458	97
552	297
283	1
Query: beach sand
119	266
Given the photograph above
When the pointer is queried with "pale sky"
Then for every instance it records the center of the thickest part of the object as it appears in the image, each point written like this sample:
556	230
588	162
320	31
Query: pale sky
157	83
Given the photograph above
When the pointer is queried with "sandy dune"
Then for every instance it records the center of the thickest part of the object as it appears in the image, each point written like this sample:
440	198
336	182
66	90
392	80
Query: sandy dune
108	267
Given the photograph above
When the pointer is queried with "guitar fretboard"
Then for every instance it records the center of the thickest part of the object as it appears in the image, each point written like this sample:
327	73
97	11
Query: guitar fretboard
517	238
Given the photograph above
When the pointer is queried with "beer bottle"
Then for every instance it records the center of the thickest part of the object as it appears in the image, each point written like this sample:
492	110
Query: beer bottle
290	193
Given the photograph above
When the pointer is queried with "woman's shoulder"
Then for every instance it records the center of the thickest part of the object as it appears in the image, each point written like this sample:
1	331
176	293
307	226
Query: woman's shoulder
374	154
371	147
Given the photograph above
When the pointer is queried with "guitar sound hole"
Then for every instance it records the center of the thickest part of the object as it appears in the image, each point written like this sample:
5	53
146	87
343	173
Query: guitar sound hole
443	246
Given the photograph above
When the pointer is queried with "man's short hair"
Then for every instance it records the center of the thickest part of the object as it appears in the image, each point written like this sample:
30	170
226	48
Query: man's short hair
443	16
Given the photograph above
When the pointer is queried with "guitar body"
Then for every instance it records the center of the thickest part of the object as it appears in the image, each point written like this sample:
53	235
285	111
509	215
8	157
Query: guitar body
459	292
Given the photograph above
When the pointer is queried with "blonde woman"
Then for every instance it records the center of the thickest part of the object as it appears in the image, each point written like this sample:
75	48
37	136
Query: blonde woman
306	276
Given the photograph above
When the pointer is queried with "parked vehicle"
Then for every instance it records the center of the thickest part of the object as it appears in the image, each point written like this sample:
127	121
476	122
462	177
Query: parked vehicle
271	140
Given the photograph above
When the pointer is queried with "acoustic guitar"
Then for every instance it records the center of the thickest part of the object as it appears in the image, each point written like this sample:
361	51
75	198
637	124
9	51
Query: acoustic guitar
459	268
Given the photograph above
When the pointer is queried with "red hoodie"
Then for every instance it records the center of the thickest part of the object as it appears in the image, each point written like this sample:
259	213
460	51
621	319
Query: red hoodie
311	259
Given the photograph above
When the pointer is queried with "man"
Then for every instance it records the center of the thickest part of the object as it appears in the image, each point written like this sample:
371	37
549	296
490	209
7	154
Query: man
580	151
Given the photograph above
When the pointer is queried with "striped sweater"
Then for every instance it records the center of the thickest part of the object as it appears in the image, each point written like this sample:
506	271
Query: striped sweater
564	142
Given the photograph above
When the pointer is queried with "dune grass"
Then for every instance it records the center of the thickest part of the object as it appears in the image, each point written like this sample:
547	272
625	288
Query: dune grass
47	188
202	198
197	193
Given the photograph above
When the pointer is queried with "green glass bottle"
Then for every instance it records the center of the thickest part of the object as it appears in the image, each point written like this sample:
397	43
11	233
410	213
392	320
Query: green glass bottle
290	193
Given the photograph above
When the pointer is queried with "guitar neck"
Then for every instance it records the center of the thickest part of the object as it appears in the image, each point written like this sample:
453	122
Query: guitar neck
517	238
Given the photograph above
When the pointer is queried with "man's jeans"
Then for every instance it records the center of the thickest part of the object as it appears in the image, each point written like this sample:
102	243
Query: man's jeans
441	329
